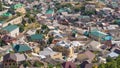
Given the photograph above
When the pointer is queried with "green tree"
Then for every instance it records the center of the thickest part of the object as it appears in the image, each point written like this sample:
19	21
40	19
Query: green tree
58	65
76	9
1	8
21	27
68	5
101	66
26	64
118	61
44	29
37	31
37	64
2	43
50	40
111	65
78	66
109	59
50	65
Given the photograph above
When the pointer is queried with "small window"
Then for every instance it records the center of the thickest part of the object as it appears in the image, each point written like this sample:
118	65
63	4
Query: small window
13	63
5	64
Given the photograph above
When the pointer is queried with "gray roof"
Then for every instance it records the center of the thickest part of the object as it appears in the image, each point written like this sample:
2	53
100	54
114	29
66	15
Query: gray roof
47	51
14	56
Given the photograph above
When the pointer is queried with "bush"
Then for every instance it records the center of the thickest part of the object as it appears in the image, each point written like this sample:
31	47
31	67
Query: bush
37	64
26	64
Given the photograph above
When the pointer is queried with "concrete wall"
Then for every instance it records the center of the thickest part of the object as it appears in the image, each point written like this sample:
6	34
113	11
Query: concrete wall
57	56
14	21
14	33
3	12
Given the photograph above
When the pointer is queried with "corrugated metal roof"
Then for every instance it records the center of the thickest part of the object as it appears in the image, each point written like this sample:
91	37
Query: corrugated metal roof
10	28
21	48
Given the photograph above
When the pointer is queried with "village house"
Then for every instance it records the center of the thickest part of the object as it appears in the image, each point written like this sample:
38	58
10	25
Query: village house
49	52
49	13
66	49
95	46
13	30
68	64
8	39
14	20
19	8
12	60
22	48
85	56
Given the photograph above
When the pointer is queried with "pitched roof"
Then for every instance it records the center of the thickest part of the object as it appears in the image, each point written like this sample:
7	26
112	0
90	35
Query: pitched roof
82	57
98	33
113	54
10	28
83	64
35	37
16	6
68	64
101	35
14	56
21	48
7	14
90	55
49	11
89	65
117	51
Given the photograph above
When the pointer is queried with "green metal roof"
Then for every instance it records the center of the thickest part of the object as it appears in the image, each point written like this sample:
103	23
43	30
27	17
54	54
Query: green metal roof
10	28
61	10
36	37
7	14
16	6
117	22
98	33
64	10
21	48
49	11
1	22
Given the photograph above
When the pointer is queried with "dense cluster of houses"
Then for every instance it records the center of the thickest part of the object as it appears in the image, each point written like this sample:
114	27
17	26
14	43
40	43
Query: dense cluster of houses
64	36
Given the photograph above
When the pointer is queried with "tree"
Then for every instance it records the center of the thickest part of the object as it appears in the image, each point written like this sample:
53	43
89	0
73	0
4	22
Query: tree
50	40
44	29
3	32
26	64
58	65
77	9
118	61
111	65
37	31
37	64
21	27
68	5
2	43
109	59
101	66
50	65
1	8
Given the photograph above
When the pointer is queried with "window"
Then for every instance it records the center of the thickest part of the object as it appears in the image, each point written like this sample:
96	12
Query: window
14	64
10	64
5	64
